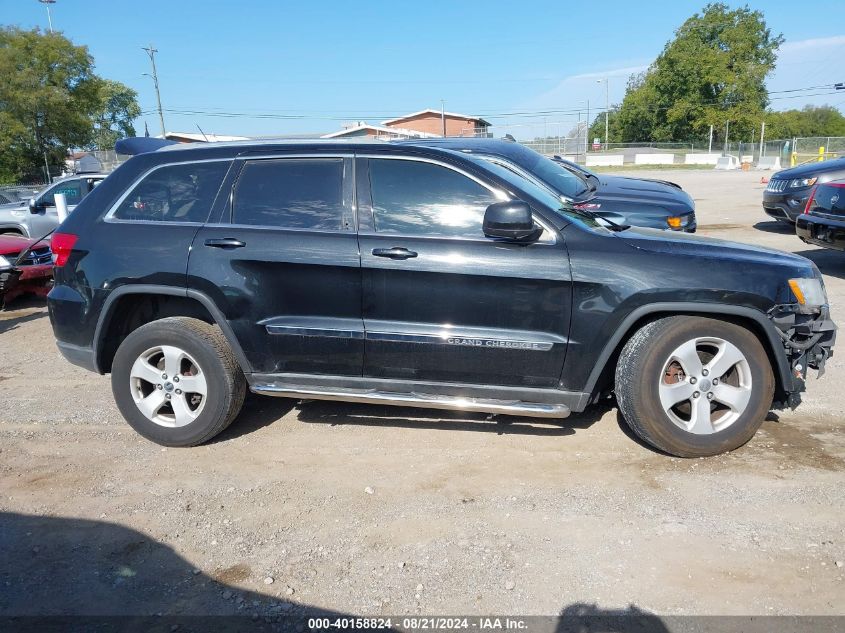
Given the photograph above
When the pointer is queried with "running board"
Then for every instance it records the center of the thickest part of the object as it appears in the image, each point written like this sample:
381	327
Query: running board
423	400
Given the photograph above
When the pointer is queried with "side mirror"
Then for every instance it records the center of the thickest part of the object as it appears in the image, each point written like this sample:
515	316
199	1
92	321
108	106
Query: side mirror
33	206
510	220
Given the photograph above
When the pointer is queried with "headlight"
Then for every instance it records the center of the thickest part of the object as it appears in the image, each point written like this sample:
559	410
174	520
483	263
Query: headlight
677	221
809	292
4	263
797	183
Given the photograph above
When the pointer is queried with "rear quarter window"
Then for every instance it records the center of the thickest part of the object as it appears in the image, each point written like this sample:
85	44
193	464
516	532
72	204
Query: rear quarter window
174	193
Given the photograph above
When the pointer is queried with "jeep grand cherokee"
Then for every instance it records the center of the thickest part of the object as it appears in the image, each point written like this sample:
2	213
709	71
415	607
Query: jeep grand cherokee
411	275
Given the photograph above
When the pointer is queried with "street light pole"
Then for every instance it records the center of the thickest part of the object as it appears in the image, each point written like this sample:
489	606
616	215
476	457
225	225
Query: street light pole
47	4
152	53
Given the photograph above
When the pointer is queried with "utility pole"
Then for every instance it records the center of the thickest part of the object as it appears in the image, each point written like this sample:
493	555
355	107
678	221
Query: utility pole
762	136
606	81
727	129
47	4
710	144
152	53
443	116
587	132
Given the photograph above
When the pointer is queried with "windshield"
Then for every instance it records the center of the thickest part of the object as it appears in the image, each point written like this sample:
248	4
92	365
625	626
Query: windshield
574	167
555	175
545	195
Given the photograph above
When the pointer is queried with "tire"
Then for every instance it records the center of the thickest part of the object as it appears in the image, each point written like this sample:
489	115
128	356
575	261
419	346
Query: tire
199	358
658	366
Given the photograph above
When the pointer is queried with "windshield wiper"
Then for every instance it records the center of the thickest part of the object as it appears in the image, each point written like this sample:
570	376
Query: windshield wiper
600	218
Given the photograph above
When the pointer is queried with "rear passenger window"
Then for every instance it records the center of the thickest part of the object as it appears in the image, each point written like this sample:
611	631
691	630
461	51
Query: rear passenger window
174	193
291	194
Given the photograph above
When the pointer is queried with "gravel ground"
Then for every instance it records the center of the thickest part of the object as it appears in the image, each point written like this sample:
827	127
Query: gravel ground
379	510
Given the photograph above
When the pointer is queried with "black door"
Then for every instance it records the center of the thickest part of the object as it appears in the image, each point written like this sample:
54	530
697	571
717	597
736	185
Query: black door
284	267
441	301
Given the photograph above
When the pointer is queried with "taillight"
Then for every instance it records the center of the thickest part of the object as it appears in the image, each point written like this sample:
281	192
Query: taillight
62	244
810	199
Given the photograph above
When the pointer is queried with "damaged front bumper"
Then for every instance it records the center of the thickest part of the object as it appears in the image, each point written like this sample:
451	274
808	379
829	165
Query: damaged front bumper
807	341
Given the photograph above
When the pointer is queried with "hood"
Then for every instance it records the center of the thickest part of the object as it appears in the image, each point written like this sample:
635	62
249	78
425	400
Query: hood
14	244
645	192
810	169
8	206
673	243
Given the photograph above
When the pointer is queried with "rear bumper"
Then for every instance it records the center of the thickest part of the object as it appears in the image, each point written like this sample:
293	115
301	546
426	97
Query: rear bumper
821	231
79	356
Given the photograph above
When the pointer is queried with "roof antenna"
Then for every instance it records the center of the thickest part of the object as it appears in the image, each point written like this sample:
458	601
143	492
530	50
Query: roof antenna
203	133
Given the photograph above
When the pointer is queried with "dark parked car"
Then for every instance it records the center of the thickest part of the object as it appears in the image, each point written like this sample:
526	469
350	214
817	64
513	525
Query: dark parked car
786	195
416	275
656	204
823	220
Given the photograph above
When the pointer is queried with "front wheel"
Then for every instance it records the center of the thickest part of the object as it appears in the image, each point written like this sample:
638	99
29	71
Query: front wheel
694	386
176	381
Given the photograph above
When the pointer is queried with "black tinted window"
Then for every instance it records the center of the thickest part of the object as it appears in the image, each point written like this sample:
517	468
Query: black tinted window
291	193
175	193
74	190
416	198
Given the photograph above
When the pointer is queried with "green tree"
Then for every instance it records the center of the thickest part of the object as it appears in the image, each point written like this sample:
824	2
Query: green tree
810	121
117	108
50	99
713	71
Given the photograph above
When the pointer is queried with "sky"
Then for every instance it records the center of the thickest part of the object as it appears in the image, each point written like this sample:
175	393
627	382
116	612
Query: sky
282	67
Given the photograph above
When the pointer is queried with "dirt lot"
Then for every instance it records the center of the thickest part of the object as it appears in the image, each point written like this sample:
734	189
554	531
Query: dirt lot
378	510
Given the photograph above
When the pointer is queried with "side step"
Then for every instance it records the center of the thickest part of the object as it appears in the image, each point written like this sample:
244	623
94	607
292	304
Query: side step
423	400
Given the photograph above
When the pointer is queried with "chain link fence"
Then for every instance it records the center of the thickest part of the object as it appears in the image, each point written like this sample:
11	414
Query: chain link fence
791	151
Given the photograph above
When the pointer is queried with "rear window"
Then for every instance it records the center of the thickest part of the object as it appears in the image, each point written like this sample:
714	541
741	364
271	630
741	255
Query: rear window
829	198
174	193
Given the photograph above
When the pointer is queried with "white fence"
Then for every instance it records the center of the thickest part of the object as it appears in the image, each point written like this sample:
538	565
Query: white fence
654	159
605	160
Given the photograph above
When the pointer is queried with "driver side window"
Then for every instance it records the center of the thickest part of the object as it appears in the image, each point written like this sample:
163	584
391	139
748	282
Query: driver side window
73	190
416	198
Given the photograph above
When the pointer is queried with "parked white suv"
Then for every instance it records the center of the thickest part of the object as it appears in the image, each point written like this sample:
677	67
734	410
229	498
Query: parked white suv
37	216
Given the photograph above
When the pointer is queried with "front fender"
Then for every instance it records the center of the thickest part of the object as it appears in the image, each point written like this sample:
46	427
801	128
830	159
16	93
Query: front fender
764	328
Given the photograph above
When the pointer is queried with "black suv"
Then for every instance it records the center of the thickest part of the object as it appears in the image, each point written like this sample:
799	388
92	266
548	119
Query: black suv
402	274
788	191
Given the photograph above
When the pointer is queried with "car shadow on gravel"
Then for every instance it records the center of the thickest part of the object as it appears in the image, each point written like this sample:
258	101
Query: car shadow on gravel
773	226
257	412
69	574
325	412
11	321
830	262
629	433
72	567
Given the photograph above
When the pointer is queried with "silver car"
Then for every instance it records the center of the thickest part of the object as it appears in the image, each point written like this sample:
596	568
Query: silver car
37	216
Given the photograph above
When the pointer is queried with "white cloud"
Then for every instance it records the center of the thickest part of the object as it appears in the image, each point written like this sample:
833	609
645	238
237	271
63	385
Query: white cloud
812	43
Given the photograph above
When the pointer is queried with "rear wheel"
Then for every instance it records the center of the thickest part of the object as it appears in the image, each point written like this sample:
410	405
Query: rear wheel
694	386
176	381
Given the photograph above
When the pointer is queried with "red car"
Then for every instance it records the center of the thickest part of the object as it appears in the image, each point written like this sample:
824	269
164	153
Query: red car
34	274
